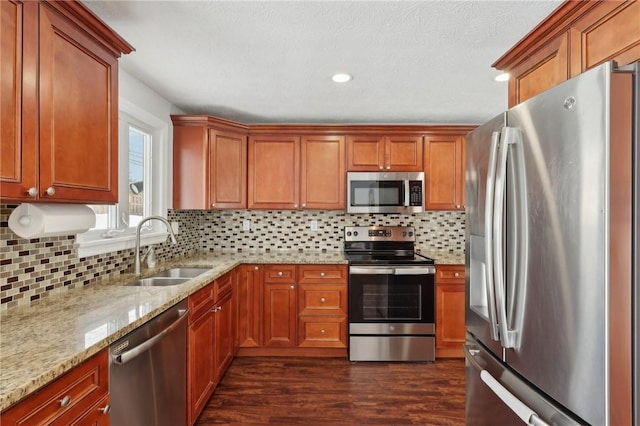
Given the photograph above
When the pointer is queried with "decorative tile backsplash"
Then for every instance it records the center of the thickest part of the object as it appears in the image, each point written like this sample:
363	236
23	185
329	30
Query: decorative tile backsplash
31	269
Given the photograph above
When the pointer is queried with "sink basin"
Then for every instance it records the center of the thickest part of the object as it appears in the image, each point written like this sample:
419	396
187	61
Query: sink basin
180	273
158	281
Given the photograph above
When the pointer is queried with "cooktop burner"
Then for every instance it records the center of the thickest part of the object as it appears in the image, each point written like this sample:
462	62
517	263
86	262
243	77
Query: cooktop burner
382	245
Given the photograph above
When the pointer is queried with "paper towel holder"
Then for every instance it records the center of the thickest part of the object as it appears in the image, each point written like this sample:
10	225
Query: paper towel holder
50	220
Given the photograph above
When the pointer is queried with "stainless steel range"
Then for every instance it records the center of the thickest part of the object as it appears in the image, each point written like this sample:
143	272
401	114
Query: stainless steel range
391	295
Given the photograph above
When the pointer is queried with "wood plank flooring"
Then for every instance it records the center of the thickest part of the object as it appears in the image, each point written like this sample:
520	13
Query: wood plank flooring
317	391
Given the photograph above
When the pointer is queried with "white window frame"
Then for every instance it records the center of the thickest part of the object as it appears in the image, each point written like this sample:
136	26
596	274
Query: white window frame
93	242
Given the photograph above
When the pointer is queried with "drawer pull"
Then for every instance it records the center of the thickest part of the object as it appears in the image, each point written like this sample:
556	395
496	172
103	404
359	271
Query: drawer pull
323	331
216	309
280	273
106	409
322	299
292	287
322	274
64	402
256	268
457	274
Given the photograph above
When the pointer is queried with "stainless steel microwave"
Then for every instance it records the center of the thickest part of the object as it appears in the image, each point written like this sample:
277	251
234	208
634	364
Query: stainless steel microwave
380	192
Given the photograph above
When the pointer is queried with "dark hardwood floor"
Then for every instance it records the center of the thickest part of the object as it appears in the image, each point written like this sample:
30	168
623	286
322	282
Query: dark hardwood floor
318	391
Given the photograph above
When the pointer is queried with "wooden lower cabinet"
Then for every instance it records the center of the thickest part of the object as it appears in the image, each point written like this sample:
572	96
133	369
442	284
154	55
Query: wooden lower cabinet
289	310
450	310
79	397
210	342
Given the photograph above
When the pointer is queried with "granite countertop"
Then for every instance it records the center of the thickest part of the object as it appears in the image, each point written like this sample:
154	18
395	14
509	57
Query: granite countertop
40	342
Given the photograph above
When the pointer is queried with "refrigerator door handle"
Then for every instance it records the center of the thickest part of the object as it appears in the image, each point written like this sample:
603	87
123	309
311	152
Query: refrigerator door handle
488	232
508	137
526	414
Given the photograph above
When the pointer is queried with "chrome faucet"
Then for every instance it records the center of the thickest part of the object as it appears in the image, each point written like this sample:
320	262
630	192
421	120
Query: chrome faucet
146	219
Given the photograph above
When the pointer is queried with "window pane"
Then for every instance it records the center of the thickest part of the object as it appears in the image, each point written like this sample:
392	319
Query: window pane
138	141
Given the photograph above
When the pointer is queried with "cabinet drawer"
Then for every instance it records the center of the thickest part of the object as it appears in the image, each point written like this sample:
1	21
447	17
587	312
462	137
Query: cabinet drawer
280	273
322	332
201	301
449	273
223	285
69	396
322	273
322	299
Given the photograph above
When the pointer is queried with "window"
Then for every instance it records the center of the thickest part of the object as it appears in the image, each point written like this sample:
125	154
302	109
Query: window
142	192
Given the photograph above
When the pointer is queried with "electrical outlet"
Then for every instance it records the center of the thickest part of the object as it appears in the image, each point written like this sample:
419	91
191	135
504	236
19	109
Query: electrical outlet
314	225
246	225
175	227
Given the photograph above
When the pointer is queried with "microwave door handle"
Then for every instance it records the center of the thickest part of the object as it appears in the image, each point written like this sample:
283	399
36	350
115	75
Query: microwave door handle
406	193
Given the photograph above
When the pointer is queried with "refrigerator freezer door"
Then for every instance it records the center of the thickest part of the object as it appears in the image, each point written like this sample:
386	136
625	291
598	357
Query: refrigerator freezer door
480	312
557	307
496	396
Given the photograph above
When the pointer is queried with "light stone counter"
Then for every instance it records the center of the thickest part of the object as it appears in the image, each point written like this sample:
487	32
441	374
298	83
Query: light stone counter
443	257
40	342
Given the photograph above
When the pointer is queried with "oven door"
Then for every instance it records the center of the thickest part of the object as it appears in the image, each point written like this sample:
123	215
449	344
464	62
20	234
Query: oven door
392	294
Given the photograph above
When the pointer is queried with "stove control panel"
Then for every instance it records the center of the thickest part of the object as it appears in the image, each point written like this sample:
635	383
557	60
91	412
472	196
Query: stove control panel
379	233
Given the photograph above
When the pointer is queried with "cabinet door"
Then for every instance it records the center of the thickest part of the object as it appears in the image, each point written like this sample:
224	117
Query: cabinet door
78	84
191	167
274	172
450	310
323	178
18	131
609	31
279	314
201	371
228	170
444	172
542	70
403	153
224	335
248	306
365	153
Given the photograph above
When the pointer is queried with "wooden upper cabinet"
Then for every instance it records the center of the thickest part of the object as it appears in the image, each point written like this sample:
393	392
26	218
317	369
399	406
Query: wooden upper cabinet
376	153
577	36
228	170
60	104
323	179
444	158
209	163
293	172
541	71
274	170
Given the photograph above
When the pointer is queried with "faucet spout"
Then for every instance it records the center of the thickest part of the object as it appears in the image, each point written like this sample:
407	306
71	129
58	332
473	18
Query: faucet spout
139	227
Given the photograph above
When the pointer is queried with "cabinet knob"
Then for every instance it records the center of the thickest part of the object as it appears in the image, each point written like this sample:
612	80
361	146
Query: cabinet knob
381	167
388	167
213	204
458	206
32	192
323	331
295	205
280	273
457	274
292	287
304	205
64	402
50	190
322	274
256	268
322	299
106	409
216	309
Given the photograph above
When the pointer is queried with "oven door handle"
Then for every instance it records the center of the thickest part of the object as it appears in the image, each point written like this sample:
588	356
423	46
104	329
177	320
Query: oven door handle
363	270
415	270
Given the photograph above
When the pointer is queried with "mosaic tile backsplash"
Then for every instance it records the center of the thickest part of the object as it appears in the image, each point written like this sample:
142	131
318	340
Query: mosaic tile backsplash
36	268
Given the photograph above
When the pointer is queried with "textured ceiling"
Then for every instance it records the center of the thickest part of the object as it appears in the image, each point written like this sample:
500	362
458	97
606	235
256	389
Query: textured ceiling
271	61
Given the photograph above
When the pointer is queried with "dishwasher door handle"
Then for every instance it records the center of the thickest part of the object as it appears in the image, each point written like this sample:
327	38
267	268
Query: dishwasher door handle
127	356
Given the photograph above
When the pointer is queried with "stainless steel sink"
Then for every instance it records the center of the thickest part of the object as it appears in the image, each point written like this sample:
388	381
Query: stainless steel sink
184	272
158	281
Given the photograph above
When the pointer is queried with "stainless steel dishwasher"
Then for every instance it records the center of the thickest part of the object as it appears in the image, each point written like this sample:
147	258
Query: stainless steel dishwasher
148	372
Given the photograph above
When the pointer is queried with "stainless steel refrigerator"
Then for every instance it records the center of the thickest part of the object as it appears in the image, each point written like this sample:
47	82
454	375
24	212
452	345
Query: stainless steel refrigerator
551	257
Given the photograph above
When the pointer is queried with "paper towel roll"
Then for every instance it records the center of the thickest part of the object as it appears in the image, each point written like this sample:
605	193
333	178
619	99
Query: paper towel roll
50	220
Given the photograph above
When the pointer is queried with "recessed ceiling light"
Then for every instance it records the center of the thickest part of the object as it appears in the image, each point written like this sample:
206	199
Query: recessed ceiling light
504	76
341	78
